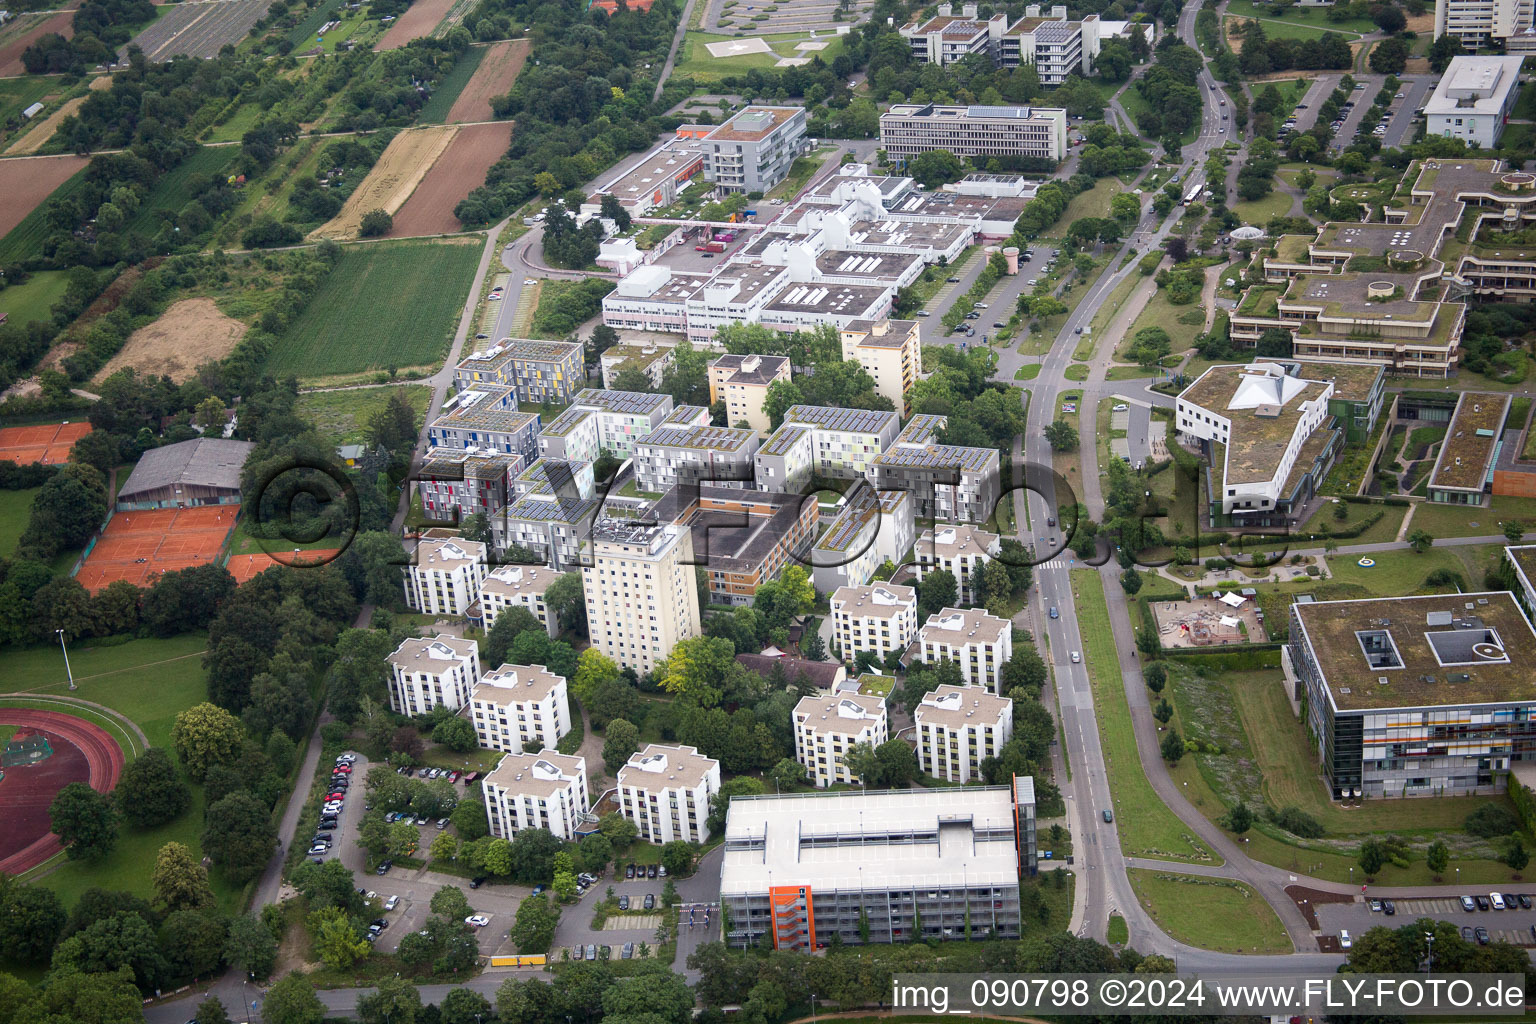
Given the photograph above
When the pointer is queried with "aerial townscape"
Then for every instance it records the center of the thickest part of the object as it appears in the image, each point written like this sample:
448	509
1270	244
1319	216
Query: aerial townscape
764	499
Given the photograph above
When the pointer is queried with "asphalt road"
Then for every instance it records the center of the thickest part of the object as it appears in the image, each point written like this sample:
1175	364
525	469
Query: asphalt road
1401	127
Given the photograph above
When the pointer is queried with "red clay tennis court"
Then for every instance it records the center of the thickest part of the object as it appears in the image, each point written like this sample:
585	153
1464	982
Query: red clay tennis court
48	751
245	567
138	546
46	442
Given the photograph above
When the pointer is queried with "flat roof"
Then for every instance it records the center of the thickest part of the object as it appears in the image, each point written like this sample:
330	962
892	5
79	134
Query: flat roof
434	654
888	266
855	421
960	626
447	553
882	333
955	707
842	713
485	406
699	438
667	162
849	841
1524	558
544	508
954	540
517	684
916	448
1474	85
541	774
509	350
661	766
1448	649
784	439
1263	404
753	124
517	580
879	600
1467	453
750	369
827	297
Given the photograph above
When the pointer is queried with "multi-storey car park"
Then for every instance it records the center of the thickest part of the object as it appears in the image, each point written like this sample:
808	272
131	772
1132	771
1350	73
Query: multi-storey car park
1415	696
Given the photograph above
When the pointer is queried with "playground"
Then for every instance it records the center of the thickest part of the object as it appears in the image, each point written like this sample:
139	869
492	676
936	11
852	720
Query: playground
1207	622
47	752
47	442
137	546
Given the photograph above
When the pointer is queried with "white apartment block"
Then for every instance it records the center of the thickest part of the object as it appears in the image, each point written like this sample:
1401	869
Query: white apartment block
1479	23
1473	99
641	596
444	576
509	586
889	352
544	790
979	643
600	421
823	441
741	382
880	618
828	725
430	673
520	707
694	454
665	791
958	727
1057	47
960	550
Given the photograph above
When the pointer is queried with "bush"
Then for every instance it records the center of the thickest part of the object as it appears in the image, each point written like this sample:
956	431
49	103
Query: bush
375	223
1490	820
1295	821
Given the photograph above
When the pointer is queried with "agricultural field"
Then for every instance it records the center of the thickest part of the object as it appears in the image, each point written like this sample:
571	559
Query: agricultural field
21	33
43	128
170	193
494	74
199	30
387	303
401	168
16	95
418	20
352	27
462	167
343	415
189	333
25	183
448	91
33	298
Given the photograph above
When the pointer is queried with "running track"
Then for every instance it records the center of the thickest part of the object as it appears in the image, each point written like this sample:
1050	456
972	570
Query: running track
103	757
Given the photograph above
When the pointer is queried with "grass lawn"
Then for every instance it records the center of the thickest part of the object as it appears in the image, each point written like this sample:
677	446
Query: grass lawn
17	94
800	172
1159	312
1119	934
695	61
1287	30
344	415
14	509
1262	211
1313	16
242	543
476	760
1211	913
1077	371
1105	315
34	298
1463	521
1384	529
1029	371
240	122
1130	373
1094	202
1402	572
1147	827
386	304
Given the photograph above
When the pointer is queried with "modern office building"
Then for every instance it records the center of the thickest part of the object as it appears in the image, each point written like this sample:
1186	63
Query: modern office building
958	727
665	791
872	528
828	725
1480	23
430	673
544	790
741	382
538	371
910	129
880	618
444	575
889	351
979	643
654	182
520	707
948	482
1415	696
753	151
1464	468
822	441
960	550
600	421
743	538
512	586
810	869
1473	99
670	455
641	597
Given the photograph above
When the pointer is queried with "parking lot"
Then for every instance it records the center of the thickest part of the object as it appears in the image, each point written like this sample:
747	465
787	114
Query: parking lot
638	925
1513	926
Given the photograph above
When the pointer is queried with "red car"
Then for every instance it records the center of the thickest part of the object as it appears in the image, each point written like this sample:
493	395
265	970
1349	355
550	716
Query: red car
453	776
337	796
344	769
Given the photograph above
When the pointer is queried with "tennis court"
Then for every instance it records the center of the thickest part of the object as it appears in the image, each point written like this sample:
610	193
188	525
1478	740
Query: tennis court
47	442
138	546
245	567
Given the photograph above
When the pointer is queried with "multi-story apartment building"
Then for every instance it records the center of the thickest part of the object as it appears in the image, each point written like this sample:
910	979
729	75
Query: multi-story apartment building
520	707
828	725
484	417
822	441
889	352
1473	99
665	791
444	575
880	618
431	673
1464	468
812	869
959	550
743	538
603	421
650	359
741	382
670	455
544	790
958	727
874	527
455	483
641	597
550	478
979	643
1055	46
1267	438
512	586
947	482
910	129
1415	696
1480	23
557	530
752	152
538	371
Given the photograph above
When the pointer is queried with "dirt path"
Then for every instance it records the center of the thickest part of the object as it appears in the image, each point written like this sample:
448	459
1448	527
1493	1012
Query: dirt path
405	162
498	69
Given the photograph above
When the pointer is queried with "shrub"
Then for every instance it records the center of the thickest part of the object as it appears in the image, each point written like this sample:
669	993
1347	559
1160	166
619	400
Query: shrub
375	223
1295	821
1490	820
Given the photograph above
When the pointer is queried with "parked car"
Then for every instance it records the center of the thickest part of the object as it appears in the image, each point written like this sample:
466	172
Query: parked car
392	903
1481	934
320	848
628	951
383	869
1497	900
379	923
623	902
576	952
652	872
650	901
1525	901
1467	903
1109	816
629	871
442	823
478	920
477	881
1375	906
1483	903
591	951
538	890
1467	934
1345	942
1388	907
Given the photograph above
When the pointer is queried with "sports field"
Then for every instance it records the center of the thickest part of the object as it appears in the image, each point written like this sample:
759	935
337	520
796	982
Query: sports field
385	304
55	750
46	442
137	546
246	567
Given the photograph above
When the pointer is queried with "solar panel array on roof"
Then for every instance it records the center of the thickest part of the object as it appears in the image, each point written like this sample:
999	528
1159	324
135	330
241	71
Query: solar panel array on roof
727	439
783	439
865	421
544	509
619	401
939	456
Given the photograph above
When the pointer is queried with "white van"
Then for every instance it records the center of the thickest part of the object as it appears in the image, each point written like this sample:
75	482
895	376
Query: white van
1497	900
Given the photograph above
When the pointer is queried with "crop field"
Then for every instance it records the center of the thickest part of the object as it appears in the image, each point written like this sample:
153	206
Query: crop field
43	130
199	28
461	167
24	31
170	193
25	183
389	303
32	299
405	162
496	71
448	91
418	20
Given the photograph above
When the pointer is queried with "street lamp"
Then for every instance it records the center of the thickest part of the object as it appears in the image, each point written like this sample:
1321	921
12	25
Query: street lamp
1429	940
67	671
813	1008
